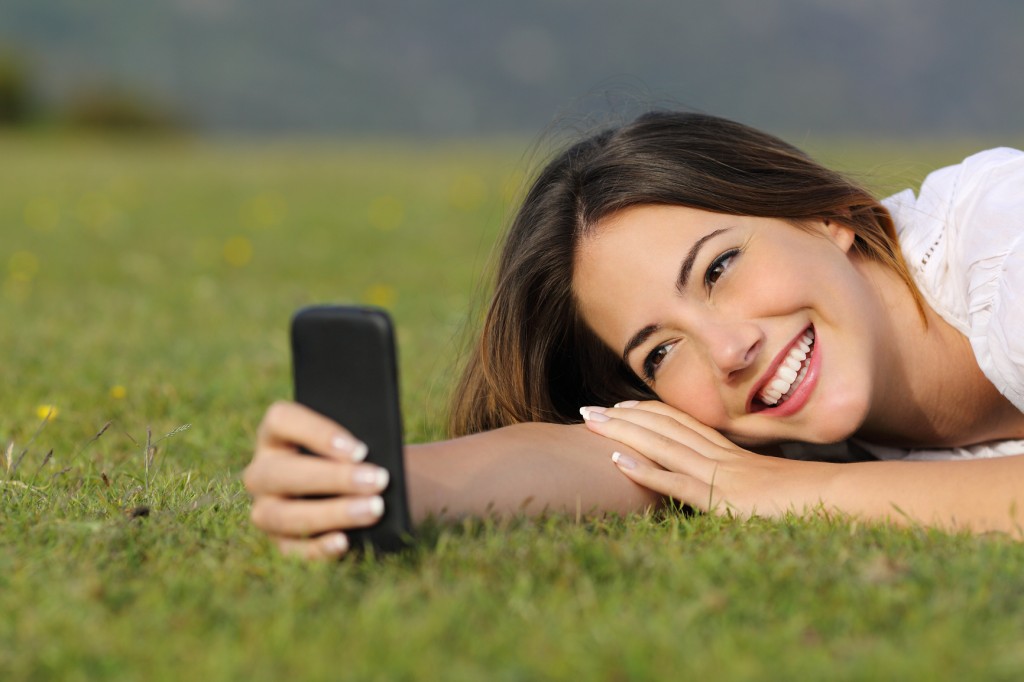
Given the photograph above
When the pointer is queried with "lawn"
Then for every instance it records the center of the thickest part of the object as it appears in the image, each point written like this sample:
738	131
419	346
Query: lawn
145	290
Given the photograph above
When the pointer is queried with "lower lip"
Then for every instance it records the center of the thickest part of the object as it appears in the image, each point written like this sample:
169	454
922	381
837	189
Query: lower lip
796	402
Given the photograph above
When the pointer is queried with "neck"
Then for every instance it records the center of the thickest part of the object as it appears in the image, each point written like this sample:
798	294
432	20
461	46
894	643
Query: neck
934	392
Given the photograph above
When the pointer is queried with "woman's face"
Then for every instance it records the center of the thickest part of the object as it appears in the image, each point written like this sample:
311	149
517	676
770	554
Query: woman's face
760	329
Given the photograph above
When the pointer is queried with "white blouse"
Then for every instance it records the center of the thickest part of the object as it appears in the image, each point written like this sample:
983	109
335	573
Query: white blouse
963	239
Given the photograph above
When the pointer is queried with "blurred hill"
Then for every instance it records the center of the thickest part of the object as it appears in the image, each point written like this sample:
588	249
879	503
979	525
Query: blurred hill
466	67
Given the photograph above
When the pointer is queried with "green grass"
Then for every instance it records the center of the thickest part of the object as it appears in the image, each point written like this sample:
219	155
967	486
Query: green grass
148	286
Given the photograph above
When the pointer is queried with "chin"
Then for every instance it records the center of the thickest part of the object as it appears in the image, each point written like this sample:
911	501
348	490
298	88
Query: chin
837	420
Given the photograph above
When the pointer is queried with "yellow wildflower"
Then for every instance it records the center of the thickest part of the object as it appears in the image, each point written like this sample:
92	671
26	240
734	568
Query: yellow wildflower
47	412
238	251
381	295
23	266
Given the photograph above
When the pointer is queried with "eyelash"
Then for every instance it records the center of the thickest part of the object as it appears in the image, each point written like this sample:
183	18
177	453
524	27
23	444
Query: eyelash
721	263
650	367
717	268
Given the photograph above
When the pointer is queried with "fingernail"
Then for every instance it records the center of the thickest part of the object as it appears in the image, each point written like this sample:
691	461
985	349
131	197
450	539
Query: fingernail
624	461
594	414
368	506
336	544
371	476
350	446
628	403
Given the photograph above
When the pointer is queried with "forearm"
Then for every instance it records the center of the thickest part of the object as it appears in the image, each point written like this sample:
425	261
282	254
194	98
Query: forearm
527	468
976	495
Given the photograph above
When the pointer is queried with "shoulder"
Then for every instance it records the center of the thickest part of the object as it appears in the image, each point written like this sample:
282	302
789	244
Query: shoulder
987	180
987	224
983	197
993	176
963	215
992	162
963	239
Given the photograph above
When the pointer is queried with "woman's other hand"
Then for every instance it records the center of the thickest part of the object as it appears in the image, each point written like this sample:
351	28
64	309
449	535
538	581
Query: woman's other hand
306	503
698	466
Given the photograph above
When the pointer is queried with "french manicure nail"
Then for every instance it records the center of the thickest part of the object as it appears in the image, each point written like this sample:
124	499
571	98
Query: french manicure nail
594	414
628	403
624	461
353	448
371	476
337	544
369	506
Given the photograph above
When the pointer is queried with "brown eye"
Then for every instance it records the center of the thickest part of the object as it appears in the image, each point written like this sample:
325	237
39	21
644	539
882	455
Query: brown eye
718	267
654	360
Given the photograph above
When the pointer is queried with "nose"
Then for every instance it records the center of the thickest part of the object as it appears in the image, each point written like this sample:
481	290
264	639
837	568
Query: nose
732	346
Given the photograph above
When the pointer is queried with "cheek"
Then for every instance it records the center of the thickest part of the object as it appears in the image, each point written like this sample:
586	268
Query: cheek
784	276
697	396
769	291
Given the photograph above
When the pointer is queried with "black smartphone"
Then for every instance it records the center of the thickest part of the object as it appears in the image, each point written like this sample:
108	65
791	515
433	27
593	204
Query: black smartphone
345	367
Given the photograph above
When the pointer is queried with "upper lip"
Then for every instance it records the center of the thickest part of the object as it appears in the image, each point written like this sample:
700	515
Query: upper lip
769	373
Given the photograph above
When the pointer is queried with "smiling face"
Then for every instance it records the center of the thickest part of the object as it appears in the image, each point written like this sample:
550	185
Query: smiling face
761	329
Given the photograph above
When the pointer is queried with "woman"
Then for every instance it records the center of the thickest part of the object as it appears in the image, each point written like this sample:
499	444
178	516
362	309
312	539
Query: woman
698	290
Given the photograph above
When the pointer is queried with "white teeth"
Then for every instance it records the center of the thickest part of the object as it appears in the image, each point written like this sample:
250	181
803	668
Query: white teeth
790	372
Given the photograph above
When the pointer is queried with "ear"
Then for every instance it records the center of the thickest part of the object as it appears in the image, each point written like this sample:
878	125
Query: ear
840	233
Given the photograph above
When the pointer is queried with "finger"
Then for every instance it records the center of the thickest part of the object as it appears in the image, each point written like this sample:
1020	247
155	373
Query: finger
323	547
305	518
288	423
297	475
679	416
656	422
661	449
666	425
681	487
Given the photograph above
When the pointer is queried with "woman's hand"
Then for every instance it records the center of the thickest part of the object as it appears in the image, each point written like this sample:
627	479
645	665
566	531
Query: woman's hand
701	467
304	503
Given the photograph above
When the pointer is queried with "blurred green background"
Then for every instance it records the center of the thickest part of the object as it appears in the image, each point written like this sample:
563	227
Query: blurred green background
154	280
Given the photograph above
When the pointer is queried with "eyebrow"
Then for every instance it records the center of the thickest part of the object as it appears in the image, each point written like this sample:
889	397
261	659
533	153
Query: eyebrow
691	258
685	269
638	339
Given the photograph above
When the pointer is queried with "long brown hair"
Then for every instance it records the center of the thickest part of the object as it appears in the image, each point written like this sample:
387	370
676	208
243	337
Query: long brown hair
535	359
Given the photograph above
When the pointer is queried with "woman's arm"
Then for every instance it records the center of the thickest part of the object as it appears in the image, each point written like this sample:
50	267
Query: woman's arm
976	495
703	469
523	468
